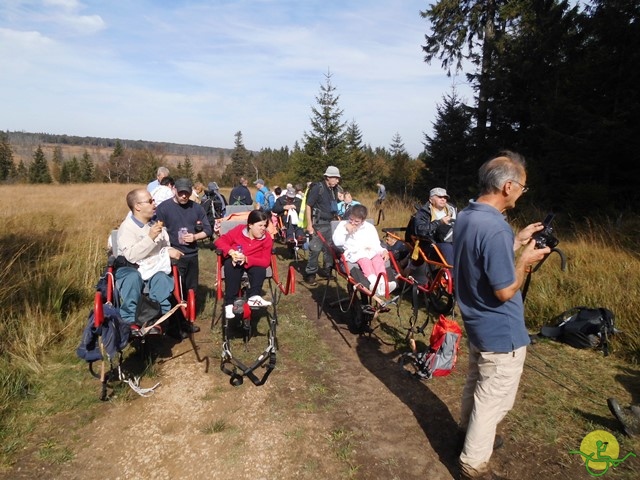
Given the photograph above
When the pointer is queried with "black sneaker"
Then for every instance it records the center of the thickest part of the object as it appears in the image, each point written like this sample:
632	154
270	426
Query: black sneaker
310	280
324	272
189	327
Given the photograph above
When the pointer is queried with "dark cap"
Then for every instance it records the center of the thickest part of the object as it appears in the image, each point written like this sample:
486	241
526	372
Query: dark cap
184	185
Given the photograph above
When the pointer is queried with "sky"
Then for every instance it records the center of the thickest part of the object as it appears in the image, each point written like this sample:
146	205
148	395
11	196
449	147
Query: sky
196	72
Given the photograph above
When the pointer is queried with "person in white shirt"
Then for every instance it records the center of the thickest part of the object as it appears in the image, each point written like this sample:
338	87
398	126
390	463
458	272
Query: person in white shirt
361	244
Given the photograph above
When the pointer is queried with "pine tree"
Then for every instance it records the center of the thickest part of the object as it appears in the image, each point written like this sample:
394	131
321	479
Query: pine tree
6	157
354	169
187	169
467	30
115	170
240	165
448	155
22	173
324	145
56	162
404	170
87	169
39	169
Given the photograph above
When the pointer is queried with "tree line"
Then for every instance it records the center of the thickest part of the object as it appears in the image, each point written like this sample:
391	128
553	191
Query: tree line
553	80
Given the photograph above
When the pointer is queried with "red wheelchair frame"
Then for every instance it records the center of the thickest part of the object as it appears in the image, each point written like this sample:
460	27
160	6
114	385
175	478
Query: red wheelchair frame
438	289
360	299
139	334
231	365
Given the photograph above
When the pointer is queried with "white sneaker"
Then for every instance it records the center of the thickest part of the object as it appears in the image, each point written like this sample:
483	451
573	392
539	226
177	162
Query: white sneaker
392	286
380	290
228	312
258	301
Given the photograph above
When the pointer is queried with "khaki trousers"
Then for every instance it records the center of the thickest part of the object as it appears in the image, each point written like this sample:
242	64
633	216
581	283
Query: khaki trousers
489	393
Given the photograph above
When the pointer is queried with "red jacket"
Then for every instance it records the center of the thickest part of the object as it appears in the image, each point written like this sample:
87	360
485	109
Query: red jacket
257	250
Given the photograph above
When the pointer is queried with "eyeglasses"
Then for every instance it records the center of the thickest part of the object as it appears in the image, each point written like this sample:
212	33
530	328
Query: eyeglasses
524	188
355	221
150	201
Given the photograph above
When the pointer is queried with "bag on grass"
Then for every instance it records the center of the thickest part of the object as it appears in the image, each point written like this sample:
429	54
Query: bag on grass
582	327
440	359
114	333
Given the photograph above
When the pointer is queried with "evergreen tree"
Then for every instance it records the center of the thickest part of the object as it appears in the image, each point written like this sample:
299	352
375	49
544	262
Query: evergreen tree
354	170
22	173
404	171
116	167
56	162
187	170
449	158
39	169
6	157
87	169
240	165
324	145
468	30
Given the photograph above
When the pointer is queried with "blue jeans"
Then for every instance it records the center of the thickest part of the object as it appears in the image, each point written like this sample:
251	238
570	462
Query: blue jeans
130	285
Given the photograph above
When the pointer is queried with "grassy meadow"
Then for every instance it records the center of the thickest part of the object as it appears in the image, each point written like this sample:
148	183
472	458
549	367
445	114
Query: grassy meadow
53	241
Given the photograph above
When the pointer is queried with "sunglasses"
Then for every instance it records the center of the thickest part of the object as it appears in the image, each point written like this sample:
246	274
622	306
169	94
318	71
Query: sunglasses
150	201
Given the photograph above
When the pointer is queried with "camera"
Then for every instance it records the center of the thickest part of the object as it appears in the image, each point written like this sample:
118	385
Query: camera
545	238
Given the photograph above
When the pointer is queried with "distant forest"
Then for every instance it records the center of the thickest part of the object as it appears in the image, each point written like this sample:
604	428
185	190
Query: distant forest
26	138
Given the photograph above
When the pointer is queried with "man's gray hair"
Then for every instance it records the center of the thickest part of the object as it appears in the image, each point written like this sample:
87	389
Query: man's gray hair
496	172
164	171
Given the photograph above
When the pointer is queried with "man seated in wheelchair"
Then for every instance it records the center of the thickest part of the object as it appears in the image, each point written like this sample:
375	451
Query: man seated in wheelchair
143	257
361	244
434	221
287	207
246	249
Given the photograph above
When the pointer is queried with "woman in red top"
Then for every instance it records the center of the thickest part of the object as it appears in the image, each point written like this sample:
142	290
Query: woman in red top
246	248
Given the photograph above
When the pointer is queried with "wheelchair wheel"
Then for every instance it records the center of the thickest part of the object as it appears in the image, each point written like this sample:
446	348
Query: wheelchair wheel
441	297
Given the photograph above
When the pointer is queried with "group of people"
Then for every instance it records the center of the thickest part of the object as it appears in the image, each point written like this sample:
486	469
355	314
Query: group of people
150	238
478	242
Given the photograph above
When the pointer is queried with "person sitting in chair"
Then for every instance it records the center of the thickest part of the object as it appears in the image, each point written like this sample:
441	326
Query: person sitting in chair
435	220
287	207
143	256
361	244
246	248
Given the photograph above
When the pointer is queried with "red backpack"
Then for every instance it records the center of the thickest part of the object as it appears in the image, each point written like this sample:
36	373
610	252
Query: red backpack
440	359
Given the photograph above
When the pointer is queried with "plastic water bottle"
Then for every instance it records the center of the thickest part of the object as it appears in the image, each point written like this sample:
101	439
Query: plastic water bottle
181	233
239	250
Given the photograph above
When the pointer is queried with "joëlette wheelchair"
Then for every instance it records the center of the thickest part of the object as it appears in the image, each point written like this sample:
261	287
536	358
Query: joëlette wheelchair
112	335
427	276
247	318
360	302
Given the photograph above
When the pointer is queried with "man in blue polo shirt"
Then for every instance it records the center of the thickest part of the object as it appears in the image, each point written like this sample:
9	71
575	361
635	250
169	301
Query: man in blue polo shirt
488	277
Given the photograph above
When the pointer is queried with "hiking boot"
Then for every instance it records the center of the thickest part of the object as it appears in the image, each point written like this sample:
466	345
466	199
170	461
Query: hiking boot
311	280
629	418
324	272
258	301
189	327
469	473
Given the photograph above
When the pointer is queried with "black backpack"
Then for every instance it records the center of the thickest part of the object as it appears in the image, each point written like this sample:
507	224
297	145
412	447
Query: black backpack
582	327
214	206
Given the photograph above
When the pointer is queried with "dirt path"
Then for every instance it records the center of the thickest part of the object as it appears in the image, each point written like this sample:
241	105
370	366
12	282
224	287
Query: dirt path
357	417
